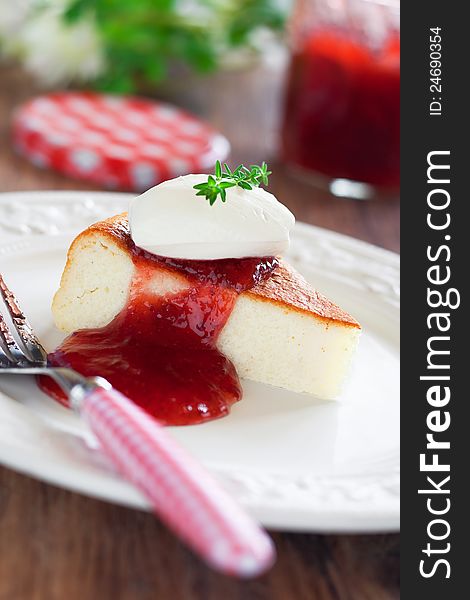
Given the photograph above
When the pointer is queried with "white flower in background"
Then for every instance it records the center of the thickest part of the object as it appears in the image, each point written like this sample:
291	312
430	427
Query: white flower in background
56	52
13	15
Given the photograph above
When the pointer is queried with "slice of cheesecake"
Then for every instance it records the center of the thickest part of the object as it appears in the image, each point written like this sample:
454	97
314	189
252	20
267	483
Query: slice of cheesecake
281	332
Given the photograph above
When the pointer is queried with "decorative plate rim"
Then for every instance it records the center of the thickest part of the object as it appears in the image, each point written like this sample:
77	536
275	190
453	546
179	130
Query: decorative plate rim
371	506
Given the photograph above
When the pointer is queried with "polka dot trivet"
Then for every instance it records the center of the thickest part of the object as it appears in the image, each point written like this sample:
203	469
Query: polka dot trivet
117	142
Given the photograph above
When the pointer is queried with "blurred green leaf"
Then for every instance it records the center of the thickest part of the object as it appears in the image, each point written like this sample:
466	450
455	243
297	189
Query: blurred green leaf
76	9
143	39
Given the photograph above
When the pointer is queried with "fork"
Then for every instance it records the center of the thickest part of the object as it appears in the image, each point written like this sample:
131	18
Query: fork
181	492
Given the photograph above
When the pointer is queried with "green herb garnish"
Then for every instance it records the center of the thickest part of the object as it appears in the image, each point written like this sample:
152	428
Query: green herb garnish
223	178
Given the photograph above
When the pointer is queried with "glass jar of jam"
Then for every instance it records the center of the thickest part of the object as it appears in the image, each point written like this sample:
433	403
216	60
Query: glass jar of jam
341	121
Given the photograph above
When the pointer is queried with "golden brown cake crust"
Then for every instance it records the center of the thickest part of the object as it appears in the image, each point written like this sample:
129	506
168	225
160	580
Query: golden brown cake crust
285	286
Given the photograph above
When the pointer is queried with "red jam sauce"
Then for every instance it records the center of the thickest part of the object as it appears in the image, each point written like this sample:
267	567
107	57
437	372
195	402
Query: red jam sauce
160	351
342	108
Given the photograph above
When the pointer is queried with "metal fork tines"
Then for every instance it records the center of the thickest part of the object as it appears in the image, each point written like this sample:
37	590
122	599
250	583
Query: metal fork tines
29	352
27	356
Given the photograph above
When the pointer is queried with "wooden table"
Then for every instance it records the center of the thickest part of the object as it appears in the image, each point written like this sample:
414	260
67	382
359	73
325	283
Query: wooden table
57	545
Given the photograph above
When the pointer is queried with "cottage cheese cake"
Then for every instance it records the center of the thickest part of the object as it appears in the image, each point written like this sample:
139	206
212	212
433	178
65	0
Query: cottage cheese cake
253	316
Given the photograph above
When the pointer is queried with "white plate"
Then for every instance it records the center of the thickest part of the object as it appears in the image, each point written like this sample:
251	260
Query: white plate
294	462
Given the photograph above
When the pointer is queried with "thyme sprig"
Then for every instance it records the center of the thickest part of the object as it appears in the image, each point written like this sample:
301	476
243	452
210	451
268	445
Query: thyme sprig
224	178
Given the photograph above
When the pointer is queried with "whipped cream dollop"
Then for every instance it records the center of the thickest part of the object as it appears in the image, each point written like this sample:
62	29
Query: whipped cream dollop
170	220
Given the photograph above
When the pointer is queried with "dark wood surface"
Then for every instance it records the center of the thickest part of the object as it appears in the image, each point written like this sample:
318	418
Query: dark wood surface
57	545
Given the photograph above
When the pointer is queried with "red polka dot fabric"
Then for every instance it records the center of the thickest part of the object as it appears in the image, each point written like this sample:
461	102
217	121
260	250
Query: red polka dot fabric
117	142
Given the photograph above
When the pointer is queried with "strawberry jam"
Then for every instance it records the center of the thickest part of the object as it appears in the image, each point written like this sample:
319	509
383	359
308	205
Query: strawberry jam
160	350
342	107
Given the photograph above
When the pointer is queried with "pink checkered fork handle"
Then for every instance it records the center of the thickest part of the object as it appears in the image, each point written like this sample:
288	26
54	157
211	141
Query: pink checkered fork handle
180	490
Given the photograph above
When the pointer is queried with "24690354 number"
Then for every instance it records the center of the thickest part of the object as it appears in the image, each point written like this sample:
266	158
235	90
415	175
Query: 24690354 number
435	68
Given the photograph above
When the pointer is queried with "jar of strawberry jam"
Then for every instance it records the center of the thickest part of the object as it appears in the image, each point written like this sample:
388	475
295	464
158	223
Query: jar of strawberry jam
341	123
